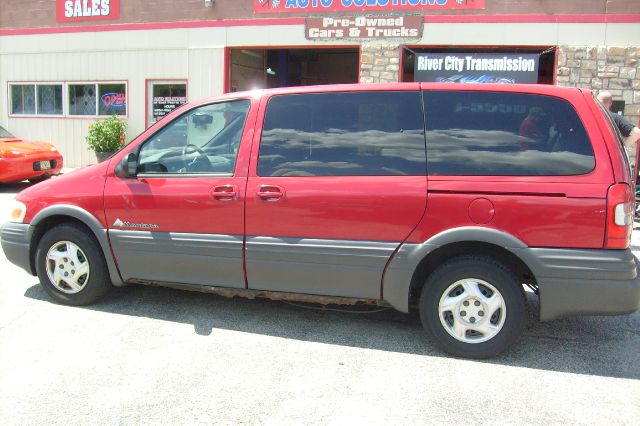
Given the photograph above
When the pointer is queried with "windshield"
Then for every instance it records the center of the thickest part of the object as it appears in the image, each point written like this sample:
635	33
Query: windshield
4	133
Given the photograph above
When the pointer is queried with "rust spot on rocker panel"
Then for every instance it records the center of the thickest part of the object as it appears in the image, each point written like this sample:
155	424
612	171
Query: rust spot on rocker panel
265	294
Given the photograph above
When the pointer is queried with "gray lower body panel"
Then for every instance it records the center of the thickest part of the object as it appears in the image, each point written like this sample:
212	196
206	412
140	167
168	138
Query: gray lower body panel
570	281
15	244
200	259
313	266
584	282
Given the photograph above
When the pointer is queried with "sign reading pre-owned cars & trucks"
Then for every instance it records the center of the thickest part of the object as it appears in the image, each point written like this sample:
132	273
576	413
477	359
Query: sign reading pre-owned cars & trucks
363	27
87	10
319	6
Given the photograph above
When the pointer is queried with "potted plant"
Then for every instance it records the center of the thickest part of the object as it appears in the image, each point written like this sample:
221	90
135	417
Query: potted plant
106	136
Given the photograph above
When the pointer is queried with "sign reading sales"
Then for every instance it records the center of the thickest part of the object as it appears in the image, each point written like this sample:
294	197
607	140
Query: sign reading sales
319	6
87	10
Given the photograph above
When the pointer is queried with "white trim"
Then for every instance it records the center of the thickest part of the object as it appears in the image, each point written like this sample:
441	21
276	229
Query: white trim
10	84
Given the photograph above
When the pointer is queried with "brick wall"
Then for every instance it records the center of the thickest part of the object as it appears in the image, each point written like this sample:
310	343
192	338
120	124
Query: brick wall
615	69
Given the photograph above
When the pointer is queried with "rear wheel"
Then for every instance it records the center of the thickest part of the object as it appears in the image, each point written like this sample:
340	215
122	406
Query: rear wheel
473	307
71	266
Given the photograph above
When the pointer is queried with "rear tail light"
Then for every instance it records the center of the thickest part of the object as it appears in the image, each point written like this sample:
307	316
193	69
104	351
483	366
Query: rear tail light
620	203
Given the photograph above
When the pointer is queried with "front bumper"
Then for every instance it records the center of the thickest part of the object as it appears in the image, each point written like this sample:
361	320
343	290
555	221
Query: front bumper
15	244
585	282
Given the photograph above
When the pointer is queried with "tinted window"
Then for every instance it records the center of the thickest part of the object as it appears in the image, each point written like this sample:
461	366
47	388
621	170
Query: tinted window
343	134
23	99
50	99
113	99
4	133
82	99
203	140
484	133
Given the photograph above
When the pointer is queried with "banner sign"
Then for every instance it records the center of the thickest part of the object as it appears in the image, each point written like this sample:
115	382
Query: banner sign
321	6
476	67
87	10
363	27
164	105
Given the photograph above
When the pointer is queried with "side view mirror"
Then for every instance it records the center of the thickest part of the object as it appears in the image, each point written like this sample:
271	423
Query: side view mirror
128	167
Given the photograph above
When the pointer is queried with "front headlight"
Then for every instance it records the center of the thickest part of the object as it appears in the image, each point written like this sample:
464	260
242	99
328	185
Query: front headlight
17	211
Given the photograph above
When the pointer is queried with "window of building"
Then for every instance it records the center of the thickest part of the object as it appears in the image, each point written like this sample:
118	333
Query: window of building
49	99
163	97
98	99
203	140
36	99
508	134
343	134
251	69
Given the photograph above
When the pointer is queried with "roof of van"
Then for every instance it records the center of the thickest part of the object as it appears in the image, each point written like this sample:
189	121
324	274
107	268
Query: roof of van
542	89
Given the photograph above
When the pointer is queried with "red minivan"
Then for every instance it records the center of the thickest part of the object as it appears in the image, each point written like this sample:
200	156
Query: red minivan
448	199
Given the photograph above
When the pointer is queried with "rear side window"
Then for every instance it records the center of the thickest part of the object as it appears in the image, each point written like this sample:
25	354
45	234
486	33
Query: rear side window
343	134
508	134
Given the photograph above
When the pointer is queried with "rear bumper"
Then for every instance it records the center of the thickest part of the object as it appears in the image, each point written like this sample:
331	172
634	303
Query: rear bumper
16	169
585	282
15	244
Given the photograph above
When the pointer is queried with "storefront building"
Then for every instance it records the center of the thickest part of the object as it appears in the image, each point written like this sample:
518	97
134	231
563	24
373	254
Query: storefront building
66	63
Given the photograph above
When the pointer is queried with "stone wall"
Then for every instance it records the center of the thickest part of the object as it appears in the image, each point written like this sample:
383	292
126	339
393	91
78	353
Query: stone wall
379	63
615	69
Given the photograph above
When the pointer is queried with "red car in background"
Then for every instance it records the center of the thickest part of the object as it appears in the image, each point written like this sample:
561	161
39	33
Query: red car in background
21	159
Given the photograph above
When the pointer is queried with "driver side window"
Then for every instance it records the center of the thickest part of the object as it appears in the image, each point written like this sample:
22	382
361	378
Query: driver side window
203	140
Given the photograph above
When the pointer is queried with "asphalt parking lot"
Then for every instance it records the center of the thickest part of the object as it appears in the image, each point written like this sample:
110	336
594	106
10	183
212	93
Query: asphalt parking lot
162	356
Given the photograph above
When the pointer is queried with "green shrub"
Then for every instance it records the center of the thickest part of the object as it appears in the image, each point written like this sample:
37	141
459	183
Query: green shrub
107	135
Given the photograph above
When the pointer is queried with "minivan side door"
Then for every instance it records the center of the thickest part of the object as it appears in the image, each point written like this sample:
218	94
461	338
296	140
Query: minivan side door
181	219
523	163
337	184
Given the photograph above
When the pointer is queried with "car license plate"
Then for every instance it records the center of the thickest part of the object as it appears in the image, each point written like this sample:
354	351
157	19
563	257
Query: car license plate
44	165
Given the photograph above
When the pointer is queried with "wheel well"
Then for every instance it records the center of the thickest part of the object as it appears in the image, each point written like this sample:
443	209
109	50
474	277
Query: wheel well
450	251
43	226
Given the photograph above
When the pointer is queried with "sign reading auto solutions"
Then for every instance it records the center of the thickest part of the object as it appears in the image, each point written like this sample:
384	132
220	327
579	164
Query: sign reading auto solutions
363	27
319	6
87	10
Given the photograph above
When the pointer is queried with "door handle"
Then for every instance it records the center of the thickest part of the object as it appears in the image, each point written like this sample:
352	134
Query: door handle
270	192
225	193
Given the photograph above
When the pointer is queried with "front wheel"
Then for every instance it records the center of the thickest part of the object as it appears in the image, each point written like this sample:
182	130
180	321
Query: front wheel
473	307
71	266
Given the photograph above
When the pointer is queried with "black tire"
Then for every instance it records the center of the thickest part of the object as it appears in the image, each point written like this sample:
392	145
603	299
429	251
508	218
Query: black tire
96	283
476	268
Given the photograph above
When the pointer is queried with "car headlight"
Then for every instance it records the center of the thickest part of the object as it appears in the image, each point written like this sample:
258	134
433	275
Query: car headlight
17	211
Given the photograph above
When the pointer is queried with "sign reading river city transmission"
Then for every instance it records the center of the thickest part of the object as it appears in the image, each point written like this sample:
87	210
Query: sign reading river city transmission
476	67
320	6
